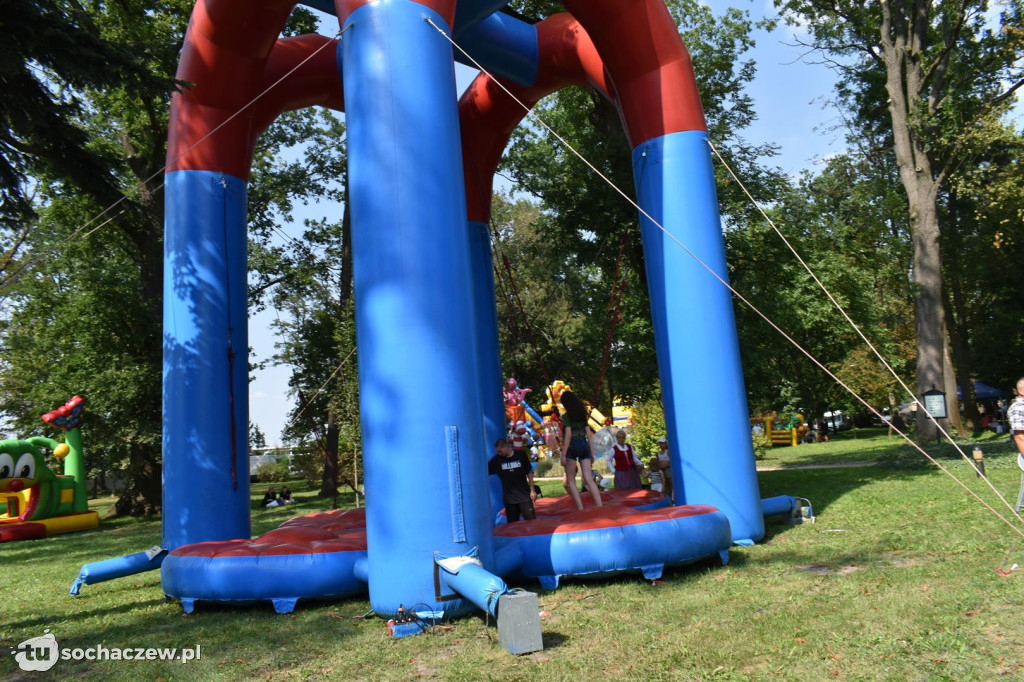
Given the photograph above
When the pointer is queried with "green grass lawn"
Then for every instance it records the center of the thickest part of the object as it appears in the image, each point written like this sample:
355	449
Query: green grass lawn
875	445
896	580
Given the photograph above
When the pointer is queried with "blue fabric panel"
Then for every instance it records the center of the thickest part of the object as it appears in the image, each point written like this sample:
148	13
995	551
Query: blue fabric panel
482	262
455	485
695	330
775	506
415	322
504	45
262	578
118	567
478	585
204	321
471	12
669	542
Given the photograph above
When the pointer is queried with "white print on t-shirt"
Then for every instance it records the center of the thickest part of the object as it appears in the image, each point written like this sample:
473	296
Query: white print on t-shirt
510	465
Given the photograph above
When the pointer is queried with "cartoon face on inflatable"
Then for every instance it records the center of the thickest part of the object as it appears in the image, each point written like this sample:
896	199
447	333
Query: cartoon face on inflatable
29	488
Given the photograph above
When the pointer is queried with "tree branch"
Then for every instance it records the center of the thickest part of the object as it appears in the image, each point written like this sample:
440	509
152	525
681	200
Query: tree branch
940	67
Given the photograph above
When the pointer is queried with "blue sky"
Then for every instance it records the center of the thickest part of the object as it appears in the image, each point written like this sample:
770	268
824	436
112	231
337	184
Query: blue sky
789	95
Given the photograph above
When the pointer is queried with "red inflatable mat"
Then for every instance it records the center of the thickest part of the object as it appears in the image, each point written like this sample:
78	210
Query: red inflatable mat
592	518
335	531
563	504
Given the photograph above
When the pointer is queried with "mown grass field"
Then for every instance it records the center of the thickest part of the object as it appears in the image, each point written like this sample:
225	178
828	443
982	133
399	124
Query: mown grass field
896	580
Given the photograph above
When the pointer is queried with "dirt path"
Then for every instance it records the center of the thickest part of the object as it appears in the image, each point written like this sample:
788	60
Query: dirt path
791	467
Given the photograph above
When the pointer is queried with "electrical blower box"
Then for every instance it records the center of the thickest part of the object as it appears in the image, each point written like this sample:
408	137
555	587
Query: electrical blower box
519	622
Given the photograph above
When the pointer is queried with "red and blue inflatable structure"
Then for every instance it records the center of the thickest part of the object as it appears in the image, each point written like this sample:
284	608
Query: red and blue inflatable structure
421	163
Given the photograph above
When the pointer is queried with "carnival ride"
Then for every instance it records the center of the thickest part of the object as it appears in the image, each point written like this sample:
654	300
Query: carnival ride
420	169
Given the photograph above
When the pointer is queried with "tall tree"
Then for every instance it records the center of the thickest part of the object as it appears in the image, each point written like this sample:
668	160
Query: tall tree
55	50
936	68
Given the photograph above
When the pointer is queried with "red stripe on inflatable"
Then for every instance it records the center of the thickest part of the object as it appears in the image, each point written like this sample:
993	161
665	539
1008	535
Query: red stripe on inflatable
314	83
609	516
22	531
488	115
230	55
446	8
650	68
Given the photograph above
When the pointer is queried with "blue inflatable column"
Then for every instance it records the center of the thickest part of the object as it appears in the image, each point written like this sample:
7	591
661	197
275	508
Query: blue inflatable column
424	445
488	347
695	332
206	367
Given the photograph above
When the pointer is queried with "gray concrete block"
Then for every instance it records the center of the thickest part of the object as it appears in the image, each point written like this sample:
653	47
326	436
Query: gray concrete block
519	622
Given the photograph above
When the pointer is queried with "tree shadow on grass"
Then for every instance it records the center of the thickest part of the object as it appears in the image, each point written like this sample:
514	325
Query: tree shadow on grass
46	620
822	487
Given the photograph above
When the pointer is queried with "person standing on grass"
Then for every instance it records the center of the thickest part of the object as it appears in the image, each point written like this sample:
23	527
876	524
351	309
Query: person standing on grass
664	465
624	462
576	450
1015	418
512	467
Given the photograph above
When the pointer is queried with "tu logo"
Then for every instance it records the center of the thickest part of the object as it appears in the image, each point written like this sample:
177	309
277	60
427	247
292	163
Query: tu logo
37	654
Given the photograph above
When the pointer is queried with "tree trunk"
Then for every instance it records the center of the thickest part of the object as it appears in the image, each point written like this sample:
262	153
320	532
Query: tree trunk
329	484
952	403
957	314
960	350
143	484
928	278
903	83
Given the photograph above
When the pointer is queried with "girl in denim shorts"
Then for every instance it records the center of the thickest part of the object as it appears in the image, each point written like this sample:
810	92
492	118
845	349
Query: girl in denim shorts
576	449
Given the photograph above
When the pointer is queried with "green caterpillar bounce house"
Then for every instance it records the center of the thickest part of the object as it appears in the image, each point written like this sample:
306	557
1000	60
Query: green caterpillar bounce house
34	501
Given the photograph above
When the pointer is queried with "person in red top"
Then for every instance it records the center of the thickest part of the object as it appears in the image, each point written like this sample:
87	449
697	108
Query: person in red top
520	438
624	462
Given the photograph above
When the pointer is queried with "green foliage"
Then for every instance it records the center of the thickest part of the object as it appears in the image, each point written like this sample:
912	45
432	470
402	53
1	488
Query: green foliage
848	226
256	437
762	443
984	248
274	472
55	52
549	467
309	466
919	81
648	427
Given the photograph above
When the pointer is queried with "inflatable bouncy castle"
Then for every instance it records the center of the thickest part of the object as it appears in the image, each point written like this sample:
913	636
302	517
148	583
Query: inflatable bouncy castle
34	501
421	162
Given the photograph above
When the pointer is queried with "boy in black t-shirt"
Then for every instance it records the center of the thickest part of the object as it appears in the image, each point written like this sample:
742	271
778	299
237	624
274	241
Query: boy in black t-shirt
516	477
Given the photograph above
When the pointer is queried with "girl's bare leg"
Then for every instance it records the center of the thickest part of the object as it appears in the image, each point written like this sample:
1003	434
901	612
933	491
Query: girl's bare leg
586	466
570	483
